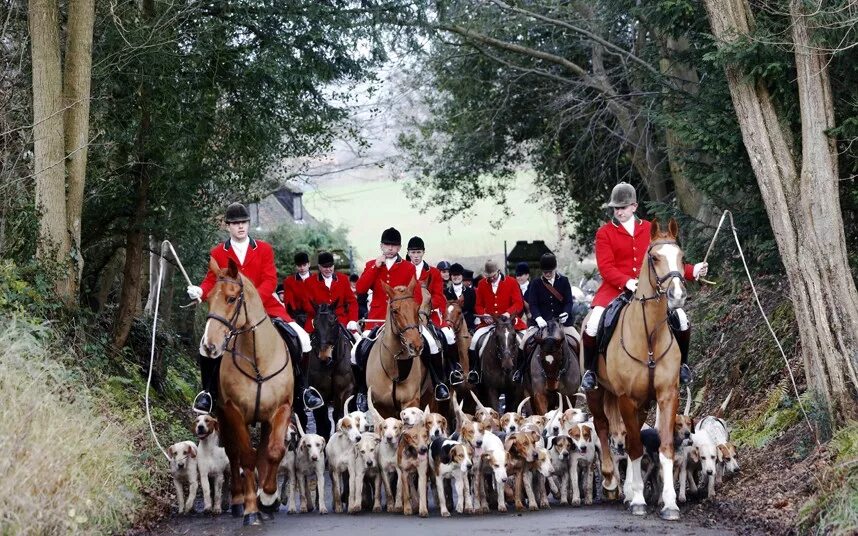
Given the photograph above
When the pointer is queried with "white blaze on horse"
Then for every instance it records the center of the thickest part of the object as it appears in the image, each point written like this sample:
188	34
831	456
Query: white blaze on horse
641	364
256	385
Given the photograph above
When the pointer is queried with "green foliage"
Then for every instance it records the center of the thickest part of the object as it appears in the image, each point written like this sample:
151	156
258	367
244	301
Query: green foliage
289	239
834	510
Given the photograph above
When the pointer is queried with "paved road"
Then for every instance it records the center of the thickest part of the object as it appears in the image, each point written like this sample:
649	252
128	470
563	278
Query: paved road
600	519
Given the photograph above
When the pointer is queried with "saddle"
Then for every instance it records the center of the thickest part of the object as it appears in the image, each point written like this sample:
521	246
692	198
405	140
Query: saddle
609	320
364	347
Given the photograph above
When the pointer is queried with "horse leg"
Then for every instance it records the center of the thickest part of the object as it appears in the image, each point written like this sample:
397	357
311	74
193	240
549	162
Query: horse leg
239	436
629	411
539	401
595	402
668	403
273	449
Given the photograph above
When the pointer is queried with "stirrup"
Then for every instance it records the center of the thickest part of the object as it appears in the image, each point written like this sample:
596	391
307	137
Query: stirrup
474	377
590	385
360	402
456	377
441	397
307	395
685	375
202	401
517	376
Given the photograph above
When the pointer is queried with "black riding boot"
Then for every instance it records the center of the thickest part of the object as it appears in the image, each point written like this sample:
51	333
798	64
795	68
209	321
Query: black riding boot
591	353
683	340
209	370
311	397
360	388
474	375
433	363
518	374
457	376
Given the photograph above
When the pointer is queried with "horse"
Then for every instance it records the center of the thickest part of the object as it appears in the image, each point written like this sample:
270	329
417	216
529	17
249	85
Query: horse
256	383
553	367
641	364
456	319
396	378
329	369
498	361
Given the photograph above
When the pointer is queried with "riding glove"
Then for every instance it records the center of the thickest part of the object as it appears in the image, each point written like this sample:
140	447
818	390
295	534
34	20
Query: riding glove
540	322
700	270
352	326
195	292
632	284
563	317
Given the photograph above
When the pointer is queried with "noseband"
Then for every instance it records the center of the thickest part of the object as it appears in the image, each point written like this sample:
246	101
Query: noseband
660	280
401	331
230	324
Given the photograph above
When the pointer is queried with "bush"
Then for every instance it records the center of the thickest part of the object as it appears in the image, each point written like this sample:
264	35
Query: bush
835	508
66	468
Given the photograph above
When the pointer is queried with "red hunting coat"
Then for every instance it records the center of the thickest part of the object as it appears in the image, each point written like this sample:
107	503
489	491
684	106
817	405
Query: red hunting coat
340	292
258	267
620	256
507	300
401	273
430	277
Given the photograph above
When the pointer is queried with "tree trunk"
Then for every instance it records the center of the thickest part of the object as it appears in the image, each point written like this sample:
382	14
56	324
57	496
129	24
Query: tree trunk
53	244
803	206
76	92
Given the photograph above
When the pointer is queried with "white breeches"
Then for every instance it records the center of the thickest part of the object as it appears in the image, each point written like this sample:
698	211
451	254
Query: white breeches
531	330
430	340
303	336
596	314
520	335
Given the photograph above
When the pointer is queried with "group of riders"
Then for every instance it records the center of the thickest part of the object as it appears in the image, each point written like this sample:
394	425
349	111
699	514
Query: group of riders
620	247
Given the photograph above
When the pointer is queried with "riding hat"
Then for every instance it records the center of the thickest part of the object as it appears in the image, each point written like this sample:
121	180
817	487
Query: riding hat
415	242
326	259
457	269
623	195
353	278
301	258
235	213
443	265
467	275
391	237
548	262
522	268
491	268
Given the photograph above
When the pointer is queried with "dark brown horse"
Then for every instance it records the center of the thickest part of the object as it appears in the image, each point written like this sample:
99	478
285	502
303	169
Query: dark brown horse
553	367
330	369
256	384
456	319
641	365
498	359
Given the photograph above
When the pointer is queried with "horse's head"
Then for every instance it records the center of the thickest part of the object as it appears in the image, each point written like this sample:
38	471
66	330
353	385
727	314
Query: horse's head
453	314
326	329
665	258
507	344
551	356
404	317
227	308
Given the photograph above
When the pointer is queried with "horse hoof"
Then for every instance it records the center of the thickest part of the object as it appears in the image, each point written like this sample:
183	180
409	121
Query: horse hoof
252	520
271	509
266	516
669	514
610	494
638	509
237	510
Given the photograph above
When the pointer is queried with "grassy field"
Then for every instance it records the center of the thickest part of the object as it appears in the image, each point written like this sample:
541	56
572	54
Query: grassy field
368	207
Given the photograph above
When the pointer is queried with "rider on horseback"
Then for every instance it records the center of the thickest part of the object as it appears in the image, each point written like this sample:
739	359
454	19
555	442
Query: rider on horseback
621	246
549	297
256	261
444	269
430	279
295	292
496	296
457	289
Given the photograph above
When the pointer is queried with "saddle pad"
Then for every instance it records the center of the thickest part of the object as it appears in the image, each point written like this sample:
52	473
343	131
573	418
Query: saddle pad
609	320
484	339
365	345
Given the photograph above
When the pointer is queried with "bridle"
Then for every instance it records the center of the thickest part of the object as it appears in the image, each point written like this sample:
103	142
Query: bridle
235	331
561	343
660	280
499	355
400	331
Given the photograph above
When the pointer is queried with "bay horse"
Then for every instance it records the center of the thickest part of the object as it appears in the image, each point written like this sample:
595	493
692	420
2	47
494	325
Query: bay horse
400	342
330	369
256	383
553	367
498	359
641	364
455	317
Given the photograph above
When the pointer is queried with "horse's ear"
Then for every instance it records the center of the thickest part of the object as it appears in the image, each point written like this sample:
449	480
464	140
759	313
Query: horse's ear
335	304
412	284
213	266
232	269
460	300
655	229
673	228
387	288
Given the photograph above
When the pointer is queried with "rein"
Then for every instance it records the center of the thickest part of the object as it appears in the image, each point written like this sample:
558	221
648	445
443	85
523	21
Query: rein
399	332
233	334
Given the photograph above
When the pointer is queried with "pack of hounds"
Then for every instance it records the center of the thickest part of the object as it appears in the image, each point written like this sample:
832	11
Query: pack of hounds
480	461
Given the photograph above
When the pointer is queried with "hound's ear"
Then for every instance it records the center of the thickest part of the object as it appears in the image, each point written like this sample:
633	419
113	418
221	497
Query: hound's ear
193	451
534	435
551	441
387	289
170	452
673	228
655	230
232	269
215	269
694	454
720	455
215	424
402	415
412	284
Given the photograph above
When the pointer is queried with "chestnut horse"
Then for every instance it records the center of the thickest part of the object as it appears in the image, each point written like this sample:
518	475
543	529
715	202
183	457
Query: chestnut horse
641	364
455	318
400	343
553	367
256	384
